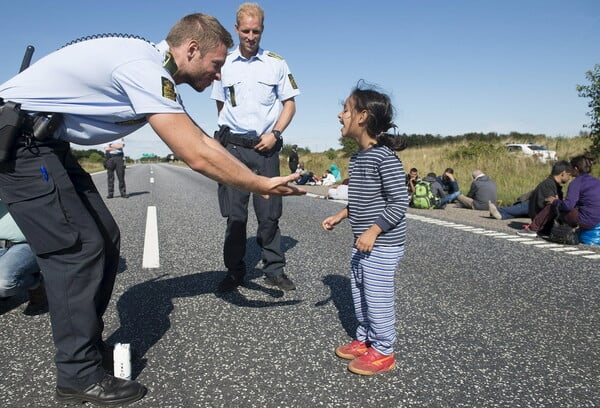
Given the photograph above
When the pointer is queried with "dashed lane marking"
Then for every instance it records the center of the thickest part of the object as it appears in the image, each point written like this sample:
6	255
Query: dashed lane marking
571	250
151	257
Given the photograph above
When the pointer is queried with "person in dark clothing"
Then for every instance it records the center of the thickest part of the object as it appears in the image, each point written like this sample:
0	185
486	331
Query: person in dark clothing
436	187
450	186
293	159
535	201
483	190
115	162
539	211
581	206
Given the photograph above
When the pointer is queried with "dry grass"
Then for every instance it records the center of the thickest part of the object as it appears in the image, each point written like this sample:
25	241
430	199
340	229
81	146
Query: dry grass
513	174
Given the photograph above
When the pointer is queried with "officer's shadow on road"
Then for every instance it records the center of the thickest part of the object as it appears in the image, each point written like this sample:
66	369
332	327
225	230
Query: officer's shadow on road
341	296
144	309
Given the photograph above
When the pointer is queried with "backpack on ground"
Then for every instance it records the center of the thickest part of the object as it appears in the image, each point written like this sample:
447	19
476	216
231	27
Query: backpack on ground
423	197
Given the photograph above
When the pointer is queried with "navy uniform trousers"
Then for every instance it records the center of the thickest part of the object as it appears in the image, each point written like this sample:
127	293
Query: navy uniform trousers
115	163
76	241
234	205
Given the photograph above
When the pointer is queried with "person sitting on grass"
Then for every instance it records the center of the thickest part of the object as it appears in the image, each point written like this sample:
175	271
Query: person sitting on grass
483	190
579	209
450	186
531	204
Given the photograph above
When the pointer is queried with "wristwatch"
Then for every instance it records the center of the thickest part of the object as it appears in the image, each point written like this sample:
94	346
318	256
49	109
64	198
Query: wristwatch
277	134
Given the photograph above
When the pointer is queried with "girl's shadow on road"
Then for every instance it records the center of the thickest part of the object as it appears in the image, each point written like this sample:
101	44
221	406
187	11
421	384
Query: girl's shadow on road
341	296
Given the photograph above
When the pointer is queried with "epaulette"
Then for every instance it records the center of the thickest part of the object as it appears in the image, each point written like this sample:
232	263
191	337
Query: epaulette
272	54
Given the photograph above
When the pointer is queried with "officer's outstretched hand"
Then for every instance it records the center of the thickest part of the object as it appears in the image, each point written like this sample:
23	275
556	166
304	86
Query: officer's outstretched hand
279	186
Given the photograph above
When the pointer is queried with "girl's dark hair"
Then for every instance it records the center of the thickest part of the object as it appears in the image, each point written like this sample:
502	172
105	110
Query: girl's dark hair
583	163
380	110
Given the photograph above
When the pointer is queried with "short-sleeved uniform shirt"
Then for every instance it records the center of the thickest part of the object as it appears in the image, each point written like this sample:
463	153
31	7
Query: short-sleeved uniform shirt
253	90
115	152
104	88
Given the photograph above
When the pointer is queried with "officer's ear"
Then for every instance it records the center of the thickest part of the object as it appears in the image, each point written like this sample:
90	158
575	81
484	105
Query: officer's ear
193	49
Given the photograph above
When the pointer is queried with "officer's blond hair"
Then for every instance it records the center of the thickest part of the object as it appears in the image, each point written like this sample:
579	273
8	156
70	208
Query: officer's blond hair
200	27
252	10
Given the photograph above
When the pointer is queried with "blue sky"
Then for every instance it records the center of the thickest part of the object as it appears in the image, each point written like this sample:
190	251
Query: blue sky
451	67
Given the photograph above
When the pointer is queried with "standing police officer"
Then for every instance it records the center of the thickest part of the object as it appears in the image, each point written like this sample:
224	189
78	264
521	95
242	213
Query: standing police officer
115	161
255	102
103	88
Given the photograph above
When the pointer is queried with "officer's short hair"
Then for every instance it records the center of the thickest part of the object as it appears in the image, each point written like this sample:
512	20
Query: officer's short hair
200	27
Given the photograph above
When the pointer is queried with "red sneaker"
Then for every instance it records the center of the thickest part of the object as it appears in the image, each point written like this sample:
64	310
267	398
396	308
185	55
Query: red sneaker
372	362
352	350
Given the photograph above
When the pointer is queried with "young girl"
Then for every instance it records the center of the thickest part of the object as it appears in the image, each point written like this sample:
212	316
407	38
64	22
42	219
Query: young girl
377	203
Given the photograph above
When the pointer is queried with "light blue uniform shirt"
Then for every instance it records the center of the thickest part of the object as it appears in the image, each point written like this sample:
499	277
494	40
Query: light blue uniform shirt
116	151
104	87
253	91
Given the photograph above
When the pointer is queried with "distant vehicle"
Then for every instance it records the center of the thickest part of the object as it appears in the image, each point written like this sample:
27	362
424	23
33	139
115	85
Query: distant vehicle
529	149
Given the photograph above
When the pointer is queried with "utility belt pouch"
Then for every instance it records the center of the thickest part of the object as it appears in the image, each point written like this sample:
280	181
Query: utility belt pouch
11	123
222	135
44	125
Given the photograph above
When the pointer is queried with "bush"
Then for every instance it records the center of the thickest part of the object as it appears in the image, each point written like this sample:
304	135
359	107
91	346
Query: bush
95	157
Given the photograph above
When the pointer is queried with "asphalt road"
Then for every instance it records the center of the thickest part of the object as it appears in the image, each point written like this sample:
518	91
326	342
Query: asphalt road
485	319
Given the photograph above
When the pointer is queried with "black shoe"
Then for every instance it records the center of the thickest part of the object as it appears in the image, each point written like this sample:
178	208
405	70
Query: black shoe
281	281
109	391
124	195
38	302
109	196
230	282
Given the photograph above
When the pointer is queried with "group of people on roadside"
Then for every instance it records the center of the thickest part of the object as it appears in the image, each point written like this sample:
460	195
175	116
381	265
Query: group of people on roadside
444	189
579	208
546	203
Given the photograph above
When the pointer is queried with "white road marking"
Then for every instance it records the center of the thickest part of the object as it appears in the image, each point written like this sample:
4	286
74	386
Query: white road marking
151	257
538	243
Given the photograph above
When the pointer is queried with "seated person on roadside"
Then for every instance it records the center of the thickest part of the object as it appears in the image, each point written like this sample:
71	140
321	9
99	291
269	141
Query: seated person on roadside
530	207
482	191
335	170
436	187
412	178
450	186
328	178
307	177
339	192
581	206
19	270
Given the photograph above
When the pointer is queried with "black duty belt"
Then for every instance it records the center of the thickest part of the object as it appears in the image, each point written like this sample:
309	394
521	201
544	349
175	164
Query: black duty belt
243	141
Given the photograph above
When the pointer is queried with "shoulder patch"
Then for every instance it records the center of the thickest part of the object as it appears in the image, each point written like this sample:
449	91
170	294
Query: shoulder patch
273	55
168	89
292	81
